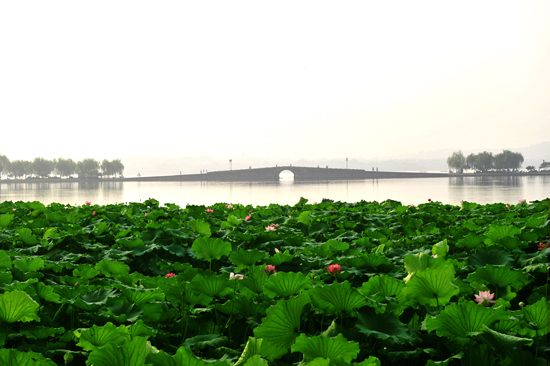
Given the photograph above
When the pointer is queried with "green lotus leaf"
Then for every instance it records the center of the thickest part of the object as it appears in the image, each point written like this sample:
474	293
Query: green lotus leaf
371	260
440	249
5	261
131	353
28	264
252	348
130	244
12	357
503	342
112	268
97	336
325	347
337	298
279	258
122	312
317	228
93	300
537	319
176	249
371	361
494	257
27	237
232	221
5	278
281	327
243	306
210	248
140	296
382	326
256	360
386	290
205	340
499	276
211	286
420	261
432	286
497	233
256	281
139	329
46	292
183	356
85	271
337	245
39	332
464	319
5	220
18	306
470	241
201	227
520	357
246	257
286	284
305	218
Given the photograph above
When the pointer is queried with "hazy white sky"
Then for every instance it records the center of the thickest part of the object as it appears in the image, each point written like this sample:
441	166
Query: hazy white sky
108	79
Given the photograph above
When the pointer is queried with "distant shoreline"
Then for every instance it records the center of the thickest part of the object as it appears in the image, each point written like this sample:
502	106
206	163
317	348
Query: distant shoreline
210	177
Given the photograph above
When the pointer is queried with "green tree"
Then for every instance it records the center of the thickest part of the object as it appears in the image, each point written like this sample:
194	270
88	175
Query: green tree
484	161
118	167
457	161
19	168
42	167
471	161
508	160
4	164
545	165
65	167
530	168
88	168
107	168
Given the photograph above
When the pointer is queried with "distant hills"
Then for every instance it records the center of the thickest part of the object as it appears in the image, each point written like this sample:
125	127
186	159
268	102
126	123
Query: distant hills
422	161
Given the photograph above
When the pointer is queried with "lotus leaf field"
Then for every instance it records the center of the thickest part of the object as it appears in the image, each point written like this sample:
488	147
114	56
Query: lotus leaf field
327	284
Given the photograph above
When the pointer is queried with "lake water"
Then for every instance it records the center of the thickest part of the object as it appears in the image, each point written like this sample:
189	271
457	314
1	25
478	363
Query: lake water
408	191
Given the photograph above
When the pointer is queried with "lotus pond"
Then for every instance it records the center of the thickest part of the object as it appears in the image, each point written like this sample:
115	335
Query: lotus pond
328	284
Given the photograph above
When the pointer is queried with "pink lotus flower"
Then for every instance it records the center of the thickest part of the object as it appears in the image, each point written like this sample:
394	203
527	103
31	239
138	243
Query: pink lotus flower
146	214
429	200
269	269
94	213
233	276
334	269
411	206
435	256
541	246
248	218
277	250
485	298
88	203
508	207
229	206
209	210
271	227
522	200
14	209
170	275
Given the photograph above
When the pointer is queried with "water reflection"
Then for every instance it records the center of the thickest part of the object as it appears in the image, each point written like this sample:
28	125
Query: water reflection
286	191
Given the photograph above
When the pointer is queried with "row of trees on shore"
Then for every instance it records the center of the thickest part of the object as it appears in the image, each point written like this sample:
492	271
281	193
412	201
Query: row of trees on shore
506	160
43	168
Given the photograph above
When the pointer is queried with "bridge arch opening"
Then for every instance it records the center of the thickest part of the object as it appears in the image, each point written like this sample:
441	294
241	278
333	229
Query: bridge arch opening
286	175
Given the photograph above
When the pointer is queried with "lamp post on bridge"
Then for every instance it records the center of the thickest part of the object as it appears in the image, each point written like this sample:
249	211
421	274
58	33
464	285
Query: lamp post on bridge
346	163
230	164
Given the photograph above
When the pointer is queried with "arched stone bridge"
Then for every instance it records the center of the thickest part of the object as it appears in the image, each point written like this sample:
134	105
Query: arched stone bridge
300	173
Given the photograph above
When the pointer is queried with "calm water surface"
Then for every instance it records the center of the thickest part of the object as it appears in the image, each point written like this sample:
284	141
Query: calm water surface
408	191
